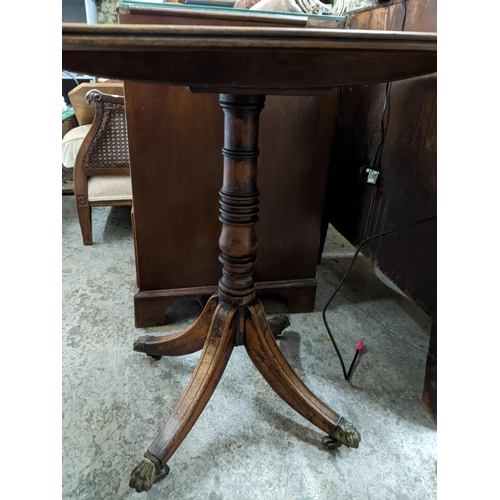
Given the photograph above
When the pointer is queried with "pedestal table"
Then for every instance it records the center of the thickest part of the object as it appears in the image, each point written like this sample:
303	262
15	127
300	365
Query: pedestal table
242	65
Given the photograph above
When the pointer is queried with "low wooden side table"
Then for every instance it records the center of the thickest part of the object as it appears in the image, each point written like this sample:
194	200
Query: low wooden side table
242	65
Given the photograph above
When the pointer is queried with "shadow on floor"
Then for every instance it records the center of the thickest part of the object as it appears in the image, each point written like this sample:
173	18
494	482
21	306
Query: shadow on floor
118	224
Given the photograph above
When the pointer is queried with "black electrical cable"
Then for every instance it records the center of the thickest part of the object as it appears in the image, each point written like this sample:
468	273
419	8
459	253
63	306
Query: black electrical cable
404	16
385	107
347	374
373	163
383	128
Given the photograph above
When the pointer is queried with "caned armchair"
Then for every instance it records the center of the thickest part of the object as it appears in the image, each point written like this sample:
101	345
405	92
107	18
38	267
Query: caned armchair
101	171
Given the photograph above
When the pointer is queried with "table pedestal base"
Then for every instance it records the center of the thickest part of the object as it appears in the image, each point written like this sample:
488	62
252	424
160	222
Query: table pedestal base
234	316
217	331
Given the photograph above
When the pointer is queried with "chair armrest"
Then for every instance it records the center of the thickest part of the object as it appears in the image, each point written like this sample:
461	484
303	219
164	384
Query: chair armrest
105	148
85	113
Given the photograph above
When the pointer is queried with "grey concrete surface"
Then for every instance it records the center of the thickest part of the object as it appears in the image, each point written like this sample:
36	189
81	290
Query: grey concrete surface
247	444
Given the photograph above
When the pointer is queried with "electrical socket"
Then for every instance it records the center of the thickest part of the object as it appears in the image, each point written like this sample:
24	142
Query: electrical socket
368	175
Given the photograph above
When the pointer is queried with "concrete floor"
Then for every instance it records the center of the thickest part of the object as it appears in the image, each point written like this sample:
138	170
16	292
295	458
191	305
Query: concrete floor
247	444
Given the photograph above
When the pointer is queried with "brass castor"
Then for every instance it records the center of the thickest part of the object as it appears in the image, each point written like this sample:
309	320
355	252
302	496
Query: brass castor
162	474
148	472
140	346
330	443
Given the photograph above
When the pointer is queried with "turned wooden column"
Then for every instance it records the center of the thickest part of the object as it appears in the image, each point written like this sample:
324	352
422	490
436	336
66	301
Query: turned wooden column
239	197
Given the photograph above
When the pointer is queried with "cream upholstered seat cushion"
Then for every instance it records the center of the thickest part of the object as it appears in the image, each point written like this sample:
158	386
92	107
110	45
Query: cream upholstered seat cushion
110	188
71	144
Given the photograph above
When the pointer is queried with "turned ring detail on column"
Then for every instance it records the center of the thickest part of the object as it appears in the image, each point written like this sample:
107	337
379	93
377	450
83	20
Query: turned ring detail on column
239	197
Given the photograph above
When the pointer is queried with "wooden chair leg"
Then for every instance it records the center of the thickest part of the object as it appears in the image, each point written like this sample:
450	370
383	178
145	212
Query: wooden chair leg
185	342
204	380
267	357
85	218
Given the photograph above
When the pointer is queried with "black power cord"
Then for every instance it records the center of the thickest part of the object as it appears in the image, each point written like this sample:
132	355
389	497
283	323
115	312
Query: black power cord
365	174
383	128
373	166
404	16
359	346
385	108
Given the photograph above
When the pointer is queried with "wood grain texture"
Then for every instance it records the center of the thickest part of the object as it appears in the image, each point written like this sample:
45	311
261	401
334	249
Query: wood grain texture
187	341
260	60
239	197
151	306
268	359
407	188
101	37
204	380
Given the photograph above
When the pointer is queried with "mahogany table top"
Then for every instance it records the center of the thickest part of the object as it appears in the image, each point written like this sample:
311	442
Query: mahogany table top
257	60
